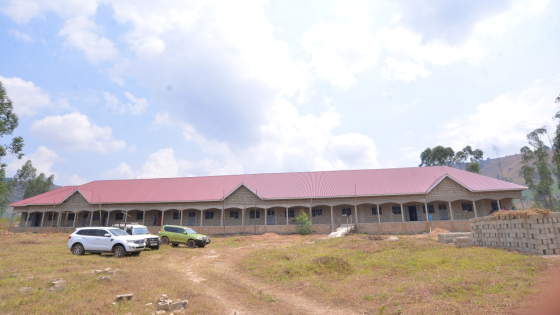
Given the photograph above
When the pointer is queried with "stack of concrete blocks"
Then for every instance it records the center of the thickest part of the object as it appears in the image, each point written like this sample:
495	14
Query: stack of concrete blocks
448	238
535	234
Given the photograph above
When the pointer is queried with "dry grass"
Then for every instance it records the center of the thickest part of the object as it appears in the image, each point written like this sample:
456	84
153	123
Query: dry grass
271	275
410	276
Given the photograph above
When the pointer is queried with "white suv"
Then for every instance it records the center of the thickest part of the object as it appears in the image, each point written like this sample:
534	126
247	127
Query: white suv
152	241
105	240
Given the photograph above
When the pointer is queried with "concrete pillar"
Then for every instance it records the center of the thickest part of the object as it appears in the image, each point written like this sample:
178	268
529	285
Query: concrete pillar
42	219
451	211
91	218
266	215
499	206
474	208
222	217
332	219
162	217
243	217
356	213
378	216
201	215
125	217
75	215
181	215
402	212
11	220
427	214
26	218
287	215
144	217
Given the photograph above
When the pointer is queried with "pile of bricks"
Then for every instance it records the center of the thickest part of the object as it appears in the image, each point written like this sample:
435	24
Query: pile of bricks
448	238
537	234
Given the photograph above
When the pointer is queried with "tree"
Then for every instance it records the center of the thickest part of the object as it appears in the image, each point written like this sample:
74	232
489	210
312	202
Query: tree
303	225
437	156
472	156
540	151
556	145
528	171
27	184
41	184
8	123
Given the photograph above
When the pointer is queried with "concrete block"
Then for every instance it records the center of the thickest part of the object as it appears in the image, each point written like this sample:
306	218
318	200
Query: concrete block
178	305
57	288
162	307
123	297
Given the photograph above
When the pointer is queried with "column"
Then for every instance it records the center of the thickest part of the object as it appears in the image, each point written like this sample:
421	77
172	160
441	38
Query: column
287	215
11	219
125	217
499	206
378	217
162	217
222	217
450	211
427	214
181	222
75	215
90	218
42	219
201	215
332	219
266	215
26	218
144	217
243	217
474	207
356	214
402	212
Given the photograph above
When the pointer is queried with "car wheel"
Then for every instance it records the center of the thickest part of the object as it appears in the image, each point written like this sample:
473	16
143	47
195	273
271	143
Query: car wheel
191	244
119	251
174	244
165	240
78	249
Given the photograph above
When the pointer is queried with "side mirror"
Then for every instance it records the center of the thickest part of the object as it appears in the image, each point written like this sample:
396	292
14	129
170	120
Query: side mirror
107	235
185	232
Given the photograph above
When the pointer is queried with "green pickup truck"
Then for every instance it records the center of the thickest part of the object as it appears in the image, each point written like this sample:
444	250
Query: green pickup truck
175	235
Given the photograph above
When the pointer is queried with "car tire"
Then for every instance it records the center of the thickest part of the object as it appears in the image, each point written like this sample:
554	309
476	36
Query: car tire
78	249
191	244
174	244
119	251
165	240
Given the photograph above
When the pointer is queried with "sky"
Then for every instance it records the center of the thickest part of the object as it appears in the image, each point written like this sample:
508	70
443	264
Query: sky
144	89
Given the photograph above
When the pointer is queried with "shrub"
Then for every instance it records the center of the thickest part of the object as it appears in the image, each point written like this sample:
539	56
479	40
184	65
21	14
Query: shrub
303	225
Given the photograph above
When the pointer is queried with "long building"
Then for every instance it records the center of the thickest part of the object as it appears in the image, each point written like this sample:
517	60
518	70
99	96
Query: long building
399	200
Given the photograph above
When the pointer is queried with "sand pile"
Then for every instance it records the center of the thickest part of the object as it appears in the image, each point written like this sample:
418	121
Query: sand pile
522	213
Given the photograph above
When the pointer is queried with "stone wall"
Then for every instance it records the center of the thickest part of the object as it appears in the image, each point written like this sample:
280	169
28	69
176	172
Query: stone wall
536	235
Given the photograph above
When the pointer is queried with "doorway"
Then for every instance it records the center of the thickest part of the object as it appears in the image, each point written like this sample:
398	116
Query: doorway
192	218
84	219
270	218
412	214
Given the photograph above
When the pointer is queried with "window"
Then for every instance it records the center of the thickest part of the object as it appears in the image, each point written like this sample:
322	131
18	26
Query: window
82	232
176	215
442	207
374	211
234	214
86	215
430	209
255	214
494	205
119	216
396	209
71	216
50	217
139	215
317	212
346	212
291	213
95	216
209	215
467	206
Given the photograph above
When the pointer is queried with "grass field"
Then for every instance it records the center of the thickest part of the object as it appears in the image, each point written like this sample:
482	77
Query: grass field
358	274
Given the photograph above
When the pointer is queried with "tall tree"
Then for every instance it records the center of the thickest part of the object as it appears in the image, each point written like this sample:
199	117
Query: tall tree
22	179
8	123
40	184
439	155
470	155
540	152
556	146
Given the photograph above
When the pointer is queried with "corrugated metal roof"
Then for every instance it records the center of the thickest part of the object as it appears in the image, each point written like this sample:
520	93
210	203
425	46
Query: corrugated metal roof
397	181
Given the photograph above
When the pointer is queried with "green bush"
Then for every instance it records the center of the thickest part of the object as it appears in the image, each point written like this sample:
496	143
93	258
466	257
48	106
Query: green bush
303	225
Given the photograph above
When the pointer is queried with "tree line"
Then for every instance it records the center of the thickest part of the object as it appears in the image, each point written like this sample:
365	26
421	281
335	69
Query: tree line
441	156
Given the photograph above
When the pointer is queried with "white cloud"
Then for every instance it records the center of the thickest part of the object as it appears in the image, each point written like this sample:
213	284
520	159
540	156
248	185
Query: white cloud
27	98
136	106
20	35
405	71
506	120
24	11
43	160
354	150
82	33
75	132
74	180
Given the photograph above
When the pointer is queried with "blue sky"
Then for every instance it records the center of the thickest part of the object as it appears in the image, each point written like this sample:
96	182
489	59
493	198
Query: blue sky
140	89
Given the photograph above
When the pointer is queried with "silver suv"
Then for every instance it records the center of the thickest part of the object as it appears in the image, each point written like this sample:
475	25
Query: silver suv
105	240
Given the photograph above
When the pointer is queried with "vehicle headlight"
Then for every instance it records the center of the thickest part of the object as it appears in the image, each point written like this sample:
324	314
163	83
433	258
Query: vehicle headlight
130	241
198	237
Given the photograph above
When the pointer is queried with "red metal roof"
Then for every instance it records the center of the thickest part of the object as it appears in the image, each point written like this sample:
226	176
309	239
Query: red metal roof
396	181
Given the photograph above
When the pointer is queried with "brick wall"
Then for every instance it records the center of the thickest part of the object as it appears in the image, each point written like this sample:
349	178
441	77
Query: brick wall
537	234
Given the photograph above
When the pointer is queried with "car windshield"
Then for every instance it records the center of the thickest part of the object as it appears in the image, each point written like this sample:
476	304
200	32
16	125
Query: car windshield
118	232
140	230
190	231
